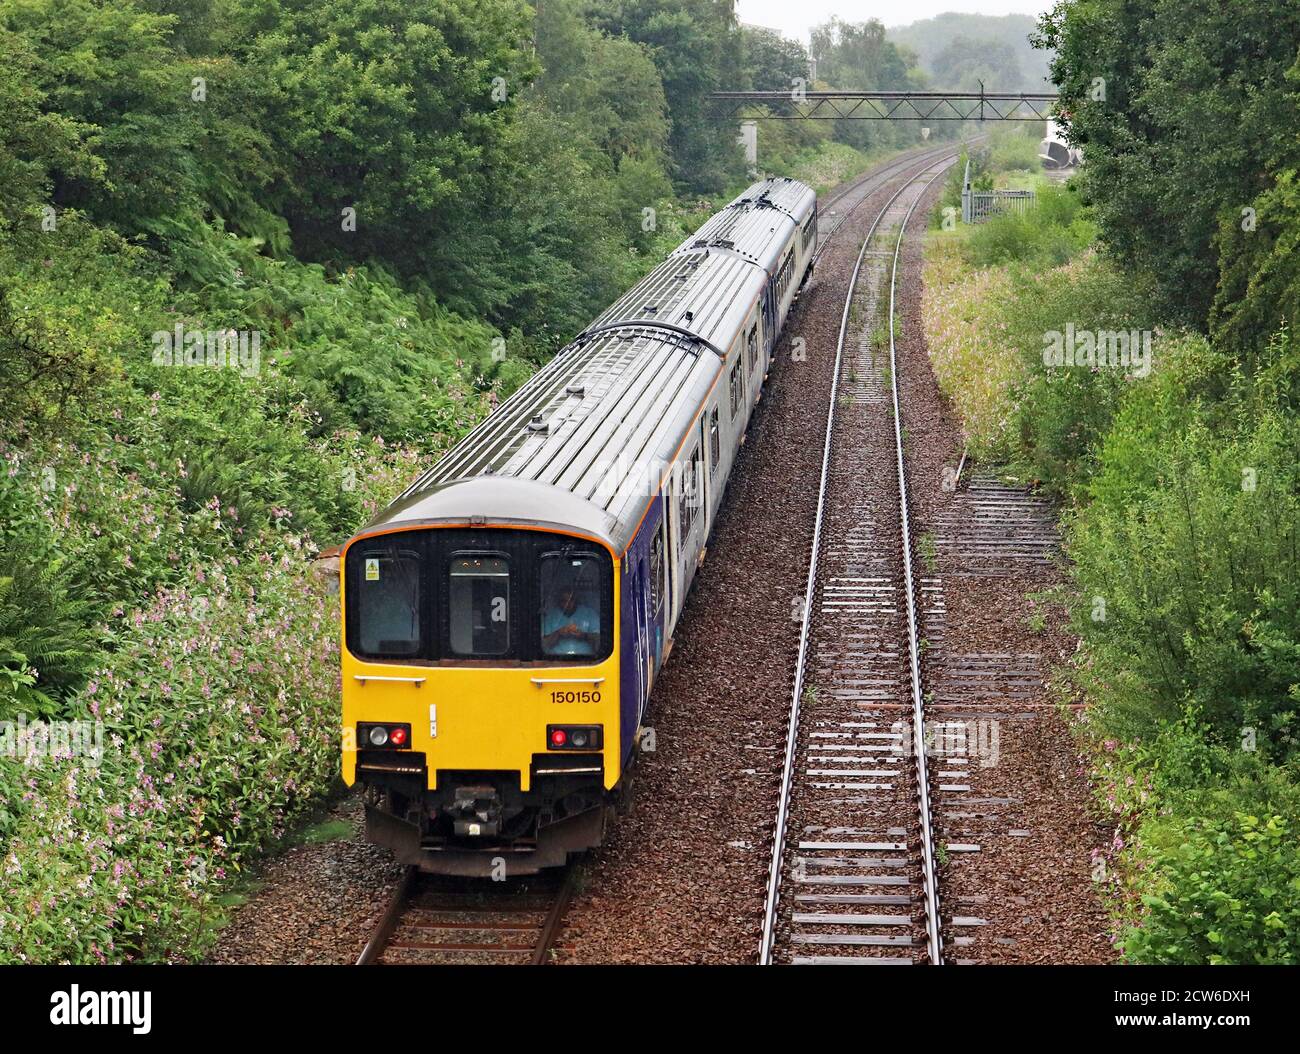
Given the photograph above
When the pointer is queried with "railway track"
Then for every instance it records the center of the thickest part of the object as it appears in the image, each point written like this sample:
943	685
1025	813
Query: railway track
435	921
853	877
845	200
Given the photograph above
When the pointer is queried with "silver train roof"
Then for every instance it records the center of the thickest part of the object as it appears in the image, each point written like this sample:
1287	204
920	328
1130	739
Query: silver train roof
585	442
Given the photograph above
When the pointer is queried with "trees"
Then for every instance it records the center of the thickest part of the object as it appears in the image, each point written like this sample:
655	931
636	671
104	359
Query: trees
696	50
1185	115
967	63
771	62
858	55
397	111
929	37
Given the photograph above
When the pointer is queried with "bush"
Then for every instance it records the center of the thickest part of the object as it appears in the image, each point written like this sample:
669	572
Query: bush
1061	413
1200	584
1224	893
218	724
46	641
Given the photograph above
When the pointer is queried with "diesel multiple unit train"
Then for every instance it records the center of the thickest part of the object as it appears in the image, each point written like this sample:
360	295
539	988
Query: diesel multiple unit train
506	616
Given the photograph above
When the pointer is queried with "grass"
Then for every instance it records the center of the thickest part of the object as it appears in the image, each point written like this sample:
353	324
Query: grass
929	554
331	830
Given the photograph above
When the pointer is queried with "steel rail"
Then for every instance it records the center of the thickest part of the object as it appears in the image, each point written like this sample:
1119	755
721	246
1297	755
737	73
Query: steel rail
551	927
792	735
538	955
929	875
388	920
920	160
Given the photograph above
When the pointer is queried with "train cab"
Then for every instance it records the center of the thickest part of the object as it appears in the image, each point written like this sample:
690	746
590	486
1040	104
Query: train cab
481	677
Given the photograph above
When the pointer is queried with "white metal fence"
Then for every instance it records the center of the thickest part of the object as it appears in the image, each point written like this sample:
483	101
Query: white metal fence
978	205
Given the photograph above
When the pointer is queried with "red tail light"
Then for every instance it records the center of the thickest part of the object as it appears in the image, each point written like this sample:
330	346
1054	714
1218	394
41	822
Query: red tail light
383	735
575	737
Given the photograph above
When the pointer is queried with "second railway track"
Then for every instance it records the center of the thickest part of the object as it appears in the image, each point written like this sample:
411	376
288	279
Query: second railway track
854	870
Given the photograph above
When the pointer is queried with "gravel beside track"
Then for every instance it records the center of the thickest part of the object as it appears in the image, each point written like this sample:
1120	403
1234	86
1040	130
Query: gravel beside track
1029	884
315	903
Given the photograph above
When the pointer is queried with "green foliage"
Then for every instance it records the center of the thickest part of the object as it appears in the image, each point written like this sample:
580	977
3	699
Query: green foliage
216	728
696	50
1259	266
858	55
773	62
1185	115
1190	539
34	143
964	64
46	642
1229	894
400	111
1048	235
1060	413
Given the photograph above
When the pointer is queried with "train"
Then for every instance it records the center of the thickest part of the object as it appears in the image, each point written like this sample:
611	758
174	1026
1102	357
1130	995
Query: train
504	619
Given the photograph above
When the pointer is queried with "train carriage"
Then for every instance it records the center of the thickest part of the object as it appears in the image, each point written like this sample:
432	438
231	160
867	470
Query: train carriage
506	616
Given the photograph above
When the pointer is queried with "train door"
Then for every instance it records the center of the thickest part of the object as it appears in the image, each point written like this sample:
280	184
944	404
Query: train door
660	607
690	517
641	627
708	465
769	319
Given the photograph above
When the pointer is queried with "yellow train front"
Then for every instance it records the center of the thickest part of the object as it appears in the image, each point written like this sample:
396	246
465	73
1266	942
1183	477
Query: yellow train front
481	686
505	618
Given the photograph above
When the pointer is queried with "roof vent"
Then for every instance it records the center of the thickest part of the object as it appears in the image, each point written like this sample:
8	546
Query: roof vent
538	424
576	388
688	317
650	309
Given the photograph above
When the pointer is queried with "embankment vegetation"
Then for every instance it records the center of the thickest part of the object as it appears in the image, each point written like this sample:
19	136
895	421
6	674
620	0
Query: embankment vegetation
1090	349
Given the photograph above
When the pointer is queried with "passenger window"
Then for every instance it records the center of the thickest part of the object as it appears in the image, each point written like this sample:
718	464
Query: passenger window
735	388
689	500
753	347
388	603
715	438
478	605
570	615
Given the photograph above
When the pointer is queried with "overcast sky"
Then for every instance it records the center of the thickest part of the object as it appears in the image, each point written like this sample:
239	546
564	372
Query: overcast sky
795	17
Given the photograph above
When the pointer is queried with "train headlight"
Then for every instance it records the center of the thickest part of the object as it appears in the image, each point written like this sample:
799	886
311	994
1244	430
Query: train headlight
575	737
388	736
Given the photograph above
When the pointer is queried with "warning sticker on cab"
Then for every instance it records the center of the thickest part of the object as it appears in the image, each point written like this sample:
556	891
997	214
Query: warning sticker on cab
372	569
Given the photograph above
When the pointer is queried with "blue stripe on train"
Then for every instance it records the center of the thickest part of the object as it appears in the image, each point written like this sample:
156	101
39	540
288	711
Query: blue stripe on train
641	648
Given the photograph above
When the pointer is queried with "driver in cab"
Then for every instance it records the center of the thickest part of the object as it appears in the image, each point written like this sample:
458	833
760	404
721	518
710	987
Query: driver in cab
570	626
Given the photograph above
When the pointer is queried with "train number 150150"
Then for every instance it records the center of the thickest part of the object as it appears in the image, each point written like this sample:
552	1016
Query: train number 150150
559	696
